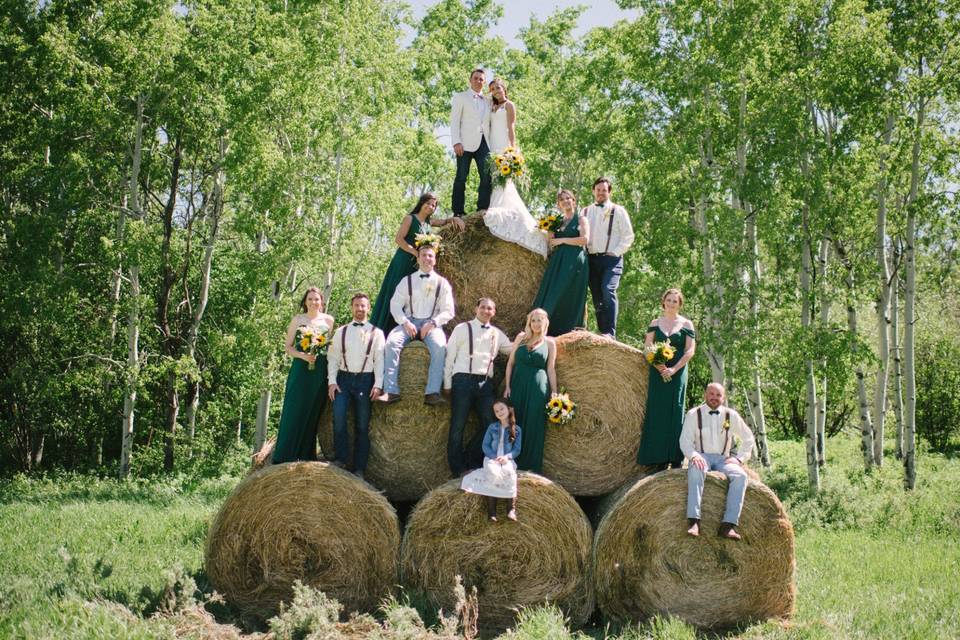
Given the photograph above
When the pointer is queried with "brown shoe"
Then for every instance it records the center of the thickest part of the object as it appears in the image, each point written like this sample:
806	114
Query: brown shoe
694	529
433	399
389	398
727	530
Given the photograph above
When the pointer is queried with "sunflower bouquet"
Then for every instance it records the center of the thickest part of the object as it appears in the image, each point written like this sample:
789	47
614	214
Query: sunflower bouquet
560	408
308	340
660	353
550	221
427	239
508	164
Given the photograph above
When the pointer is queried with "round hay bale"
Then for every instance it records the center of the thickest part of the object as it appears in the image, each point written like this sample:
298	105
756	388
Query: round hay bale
544	556
306	521
596	452
646	564
408	439
477	264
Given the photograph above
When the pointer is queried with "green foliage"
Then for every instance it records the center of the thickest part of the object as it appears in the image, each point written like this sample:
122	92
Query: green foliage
938	379
311	615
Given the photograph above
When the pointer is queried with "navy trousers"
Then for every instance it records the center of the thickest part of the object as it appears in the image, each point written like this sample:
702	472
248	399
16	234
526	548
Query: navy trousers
355	394
605	272
469	392
479	156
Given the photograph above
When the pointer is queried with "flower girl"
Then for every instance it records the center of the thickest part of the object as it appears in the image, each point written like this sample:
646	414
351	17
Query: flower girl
498	476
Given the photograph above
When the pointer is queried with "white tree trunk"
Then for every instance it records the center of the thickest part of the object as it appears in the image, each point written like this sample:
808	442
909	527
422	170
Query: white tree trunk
823	259
909	311
133	318
806	320
883	302
263	415
895	343
863	402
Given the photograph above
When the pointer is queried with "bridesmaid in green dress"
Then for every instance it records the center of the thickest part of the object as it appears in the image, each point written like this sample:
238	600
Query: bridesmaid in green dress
530	381
306	390
666	401
563	290
404	260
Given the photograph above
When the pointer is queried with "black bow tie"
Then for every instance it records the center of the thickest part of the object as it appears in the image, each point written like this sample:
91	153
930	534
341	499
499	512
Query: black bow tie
358	324
484	326
715	412
600	204
424	275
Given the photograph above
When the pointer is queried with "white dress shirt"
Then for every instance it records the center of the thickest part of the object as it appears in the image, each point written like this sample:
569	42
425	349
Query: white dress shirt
355	359
426	302
719	431
620	236
487	343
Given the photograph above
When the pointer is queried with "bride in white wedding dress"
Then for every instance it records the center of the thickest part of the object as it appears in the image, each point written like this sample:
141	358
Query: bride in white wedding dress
508	217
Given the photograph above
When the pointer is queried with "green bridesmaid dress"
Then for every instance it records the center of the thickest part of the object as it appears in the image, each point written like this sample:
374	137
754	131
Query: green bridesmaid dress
563	289
303	401
529	392
402	265
666	401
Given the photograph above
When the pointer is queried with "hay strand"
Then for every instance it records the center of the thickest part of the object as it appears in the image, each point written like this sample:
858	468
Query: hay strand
595	453
477	264
544	557
646	564
306	521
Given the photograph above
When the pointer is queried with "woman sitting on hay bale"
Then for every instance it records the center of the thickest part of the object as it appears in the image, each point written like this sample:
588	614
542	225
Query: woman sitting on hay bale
498	476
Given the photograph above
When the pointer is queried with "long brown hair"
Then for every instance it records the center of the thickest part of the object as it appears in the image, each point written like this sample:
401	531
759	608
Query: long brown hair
511	420
303	300
424	198
493	98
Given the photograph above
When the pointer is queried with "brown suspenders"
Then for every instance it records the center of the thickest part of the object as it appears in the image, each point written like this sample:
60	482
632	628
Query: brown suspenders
493	349
436	297
613	213
726	437
343	350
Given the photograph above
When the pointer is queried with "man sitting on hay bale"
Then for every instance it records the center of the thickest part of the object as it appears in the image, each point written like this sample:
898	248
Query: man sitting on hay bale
421	304
707	440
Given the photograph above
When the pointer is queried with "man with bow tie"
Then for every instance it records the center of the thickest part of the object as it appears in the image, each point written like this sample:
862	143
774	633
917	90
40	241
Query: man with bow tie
469	132
355	377
421	304
707	440
471	350
611	234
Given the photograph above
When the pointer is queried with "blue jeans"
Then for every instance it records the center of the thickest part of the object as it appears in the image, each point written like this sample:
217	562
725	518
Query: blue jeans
735	492
605	272
436	343
479	156
354	393
468	393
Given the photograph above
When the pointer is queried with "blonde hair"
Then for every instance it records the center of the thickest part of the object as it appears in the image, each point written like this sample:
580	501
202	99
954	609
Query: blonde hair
528	332
668	292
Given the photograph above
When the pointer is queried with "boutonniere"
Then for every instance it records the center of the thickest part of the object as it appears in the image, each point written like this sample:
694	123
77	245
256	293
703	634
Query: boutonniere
428	288
726	425
363	337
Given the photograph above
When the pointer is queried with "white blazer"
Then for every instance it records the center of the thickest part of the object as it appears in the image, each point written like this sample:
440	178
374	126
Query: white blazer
469	120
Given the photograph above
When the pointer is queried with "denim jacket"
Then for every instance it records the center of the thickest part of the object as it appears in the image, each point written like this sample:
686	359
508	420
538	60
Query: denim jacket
492	439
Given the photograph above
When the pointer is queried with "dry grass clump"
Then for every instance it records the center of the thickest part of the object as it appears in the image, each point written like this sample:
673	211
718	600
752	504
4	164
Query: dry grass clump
478	264
646	564
408	439
544	557
596	452
306	521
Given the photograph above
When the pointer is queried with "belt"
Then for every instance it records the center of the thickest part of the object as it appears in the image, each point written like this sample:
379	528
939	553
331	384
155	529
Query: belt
341	372
472	375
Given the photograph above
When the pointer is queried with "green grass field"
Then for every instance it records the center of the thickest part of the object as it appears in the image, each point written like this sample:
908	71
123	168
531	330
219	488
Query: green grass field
82	557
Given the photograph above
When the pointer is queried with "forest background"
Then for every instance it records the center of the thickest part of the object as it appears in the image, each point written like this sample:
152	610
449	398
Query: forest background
173	175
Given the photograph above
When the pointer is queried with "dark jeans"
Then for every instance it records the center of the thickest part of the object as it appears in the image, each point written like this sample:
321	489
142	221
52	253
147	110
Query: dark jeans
355	394
467	393
479	156
605	272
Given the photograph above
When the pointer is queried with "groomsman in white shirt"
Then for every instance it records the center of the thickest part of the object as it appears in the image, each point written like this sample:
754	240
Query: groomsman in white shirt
421	304
469	132
707	440
611	234
471	350
355	377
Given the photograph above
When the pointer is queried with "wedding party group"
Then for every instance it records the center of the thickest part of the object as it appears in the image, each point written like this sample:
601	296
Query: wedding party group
358	363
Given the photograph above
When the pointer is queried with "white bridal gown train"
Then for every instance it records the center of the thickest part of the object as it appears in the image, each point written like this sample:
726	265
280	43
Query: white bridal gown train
508	217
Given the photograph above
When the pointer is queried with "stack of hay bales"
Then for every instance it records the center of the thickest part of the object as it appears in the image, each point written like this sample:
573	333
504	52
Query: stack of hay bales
543	557
318	524
645	563
306	521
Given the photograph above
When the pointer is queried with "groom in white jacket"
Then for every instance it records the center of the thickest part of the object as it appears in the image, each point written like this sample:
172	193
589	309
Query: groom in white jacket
469	132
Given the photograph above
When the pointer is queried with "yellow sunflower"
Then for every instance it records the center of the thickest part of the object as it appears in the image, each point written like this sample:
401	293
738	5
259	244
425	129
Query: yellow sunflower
305	343
505	170
554	419
650	357
668	353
